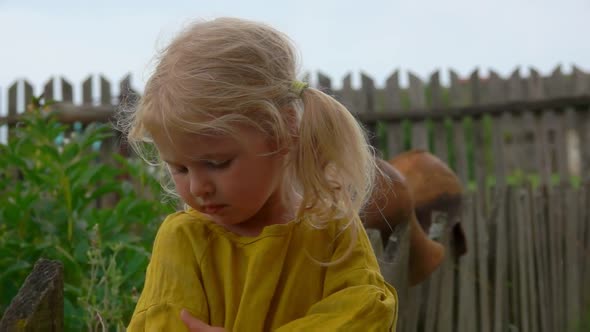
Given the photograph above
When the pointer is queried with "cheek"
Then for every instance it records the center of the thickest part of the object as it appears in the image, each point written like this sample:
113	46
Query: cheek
181	187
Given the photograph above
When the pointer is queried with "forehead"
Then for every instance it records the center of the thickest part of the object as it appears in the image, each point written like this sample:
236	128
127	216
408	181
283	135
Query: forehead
183	146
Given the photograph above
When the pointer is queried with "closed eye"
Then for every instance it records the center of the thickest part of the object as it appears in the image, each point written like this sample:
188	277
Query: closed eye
177	169
218	164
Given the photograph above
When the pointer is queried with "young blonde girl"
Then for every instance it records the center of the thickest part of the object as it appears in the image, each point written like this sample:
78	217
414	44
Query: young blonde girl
273	174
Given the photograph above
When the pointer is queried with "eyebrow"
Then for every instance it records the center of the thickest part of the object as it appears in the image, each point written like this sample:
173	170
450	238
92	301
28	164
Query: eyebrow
206	156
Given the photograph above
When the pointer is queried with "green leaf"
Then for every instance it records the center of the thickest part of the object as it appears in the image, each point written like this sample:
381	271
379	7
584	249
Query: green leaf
15	267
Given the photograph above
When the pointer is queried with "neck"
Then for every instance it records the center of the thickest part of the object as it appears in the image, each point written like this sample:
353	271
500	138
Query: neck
275	211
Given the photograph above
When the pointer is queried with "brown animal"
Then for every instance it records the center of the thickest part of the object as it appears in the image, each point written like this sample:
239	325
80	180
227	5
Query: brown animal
414	184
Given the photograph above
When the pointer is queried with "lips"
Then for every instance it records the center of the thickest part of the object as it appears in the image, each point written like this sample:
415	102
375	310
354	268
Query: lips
212	209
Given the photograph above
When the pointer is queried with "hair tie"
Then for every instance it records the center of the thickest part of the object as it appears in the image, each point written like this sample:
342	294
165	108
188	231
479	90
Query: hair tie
297	87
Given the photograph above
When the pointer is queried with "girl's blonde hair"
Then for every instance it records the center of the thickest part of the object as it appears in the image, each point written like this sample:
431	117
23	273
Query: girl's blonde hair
226	72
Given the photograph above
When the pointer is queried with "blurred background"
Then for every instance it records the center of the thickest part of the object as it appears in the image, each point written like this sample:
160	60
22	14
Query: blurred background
73	39
497	90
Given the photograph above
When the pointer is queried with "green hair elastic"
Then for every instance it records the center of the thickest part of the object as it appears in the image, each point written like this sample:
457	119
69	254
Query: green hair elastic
297	87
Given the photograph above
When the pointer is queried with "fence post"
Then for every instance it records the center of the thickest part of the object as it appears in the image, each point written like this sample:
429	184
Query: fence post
39	304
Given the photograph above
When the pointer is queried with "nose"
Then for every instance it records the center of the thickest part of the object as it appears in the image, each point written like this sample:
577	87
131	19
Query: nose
201	186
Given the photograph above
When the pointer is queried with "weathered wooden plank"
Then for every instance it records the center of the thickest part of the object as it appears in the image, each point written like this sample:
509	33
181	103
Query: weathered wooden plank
13	99
482	244
555	148
459	97
87	91
572	250
516	87
395	139
375	238
581	82
496	93
475	88
392	100
461	162
367	105
419	135
467	309
349	95
541	257
393	93
28	93
432	301
557	261
416	92
394	264
496	89
325	84
441	148
396	256
511	125
561	147
532	279
459	90
556	84
414	303
528	142
546	140
523	259
584	129
12	107
479	156
534	86
66	91
105	91
513	307
39	304
497	148
522	126
446	298
48	91
436	93
572	143
440	138
478	138
500	173
585	234
500	221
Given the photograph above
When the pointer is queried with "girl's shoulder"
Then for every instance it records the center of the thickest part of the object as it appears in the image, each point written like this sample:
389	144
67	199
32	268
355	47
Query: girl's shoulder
185	228
185	220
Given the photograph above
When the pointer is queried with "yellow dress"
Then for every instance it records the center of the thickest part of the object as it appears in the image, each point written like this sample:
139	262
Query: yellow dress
265	283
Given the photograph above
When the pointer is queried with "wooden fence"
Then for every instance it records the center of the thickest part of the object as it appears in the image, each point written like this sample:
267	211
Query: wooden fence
487	128
527	267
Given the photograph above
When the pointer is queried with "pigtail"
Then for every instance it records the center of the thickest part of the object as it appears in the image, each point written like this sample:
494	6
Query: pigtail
334	163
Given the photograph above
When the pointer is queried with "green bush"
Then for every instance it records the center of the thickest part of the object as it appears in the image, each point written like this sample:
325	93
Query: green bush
49	189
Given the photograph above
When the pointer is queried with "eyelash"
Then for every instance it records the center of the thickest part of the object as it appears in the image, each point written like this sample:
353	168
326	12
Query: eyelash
178	170
209	164
219	165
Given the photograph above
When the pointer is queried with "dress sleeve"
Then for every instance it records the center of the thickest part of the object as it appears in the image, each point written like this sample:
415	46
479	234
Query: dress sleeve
173	281
356	297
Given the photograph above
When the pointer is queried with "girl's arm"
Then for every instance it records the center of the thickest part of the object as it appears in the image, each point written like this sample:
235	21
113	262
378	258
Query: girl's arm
172	281
356	297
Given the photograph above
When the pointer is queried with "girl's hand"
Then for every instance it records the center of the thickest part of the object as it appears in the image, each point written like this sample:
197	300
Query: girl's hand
195	325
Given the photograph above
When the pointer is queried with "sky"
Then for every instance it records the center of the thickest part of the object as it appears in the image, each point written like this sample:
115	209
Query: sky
43	38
